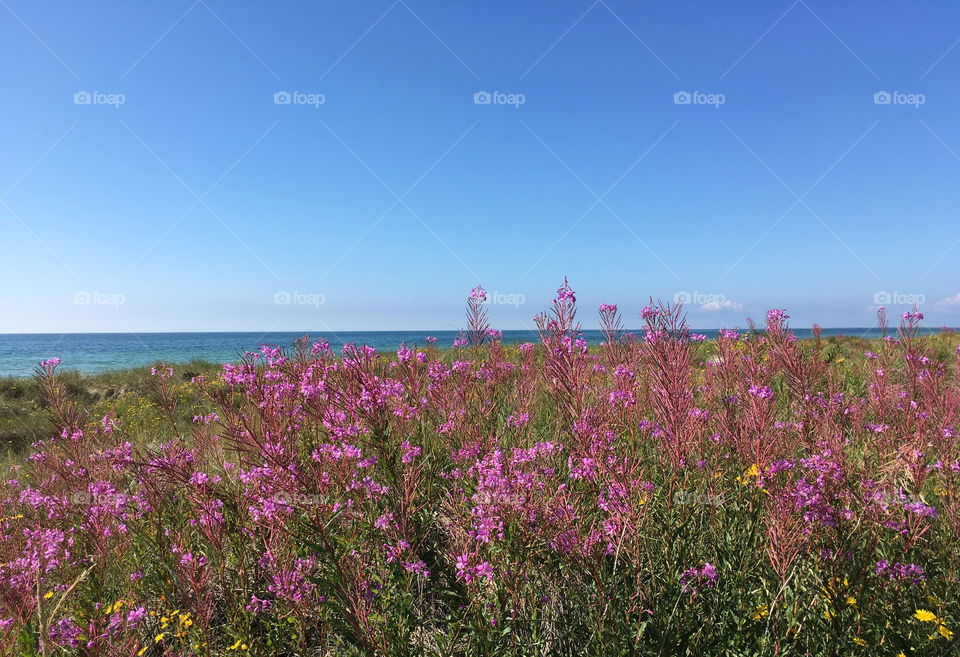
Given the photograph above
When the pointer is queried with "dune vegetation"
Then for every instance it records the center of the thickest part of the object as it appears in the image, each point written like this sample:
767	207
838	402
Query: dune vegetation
658	494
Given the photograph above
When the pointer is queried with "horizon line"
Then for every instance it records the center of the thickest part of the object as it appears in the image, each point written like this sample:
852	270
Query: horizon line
891	328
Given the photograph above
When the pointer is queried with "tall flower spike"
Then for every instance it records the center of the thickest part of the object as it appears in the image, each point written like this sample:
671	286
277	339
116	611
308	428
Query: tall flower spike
477	324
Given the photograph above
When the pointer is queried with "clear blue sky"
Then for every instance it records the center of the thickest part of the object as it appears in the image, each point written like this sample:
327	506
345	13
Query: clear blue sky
198	200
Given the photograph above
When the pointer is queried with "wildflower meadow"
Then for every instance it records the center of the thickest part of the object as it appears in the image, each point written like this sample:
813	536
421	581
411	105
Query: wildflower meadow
658	494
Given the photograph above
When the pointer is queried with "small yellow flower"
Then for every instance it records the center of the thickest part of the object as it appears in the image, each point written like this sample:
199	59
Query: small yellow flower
860	642
752	471
48	595
109	609
760	612
925	616
852	601
142	650
945	632
159	637
841	360
235	646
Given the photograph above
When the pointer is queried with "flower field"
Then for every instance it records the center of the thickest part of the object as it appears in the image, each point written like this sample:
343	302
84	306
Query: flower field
660	494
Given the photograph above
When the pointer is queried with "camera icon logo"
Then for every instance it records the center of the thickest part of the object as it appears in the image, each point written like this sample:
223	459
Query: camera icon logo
282	298
282	98
882	298
482	98
82	298
682	297
882	98
682	98
82	98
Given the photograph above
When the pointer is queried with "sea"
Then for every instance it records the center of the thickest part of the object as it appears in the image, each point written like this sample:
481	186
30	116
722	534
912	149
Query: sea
91	353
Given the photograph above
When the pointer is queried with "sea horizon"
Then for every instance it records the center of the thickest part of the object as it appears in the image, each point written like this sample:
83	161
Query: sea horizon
430	331
93	353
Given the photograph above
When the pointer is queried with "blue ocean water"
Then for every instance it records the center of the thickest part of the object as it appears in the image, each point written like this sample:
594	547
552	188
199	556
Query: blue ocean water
98	352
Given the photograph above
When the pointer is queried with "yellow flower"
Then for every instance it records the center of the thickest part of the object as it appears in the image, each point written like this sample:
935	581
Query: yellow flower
142	650
109	609
159	637
852	601
860	642
760	612
48	595
841	360
945	632
925	616
752	471
235	646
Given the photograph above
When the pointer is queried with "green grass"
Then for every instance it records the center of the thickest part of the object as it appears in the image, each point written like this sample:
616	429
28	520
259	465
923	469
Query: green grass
24	420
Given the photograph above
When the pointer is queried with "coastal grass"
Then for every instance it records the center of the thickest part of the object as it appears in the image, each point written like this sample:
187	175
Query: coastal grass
751	495
127	391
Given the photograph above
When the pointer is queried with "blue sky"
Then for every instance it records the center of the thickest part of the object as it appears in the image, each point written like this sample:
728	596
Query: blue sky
174	193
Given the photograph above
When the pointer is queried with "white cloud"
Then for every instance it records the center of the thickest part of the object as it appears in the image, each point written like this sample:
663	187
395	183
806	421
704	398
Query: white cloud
950	303
717	306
